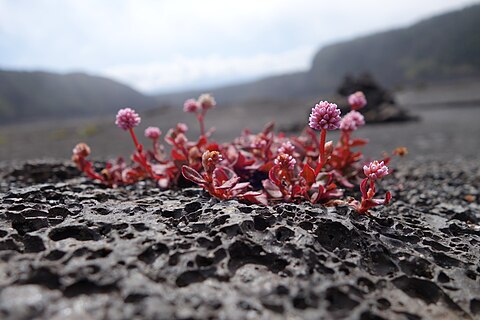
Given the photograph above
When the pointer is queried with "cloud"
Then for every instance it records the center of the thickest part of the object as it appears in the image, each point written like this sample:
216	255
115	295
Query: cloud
209	71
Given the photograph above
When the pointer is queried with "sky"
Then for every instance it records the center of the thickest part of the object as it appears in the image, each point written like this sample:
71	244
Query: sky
161	46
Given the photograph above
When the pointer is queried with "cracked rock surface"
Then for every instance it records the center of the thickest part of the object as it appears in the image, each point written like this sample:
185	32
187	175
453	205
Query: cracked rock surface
72	249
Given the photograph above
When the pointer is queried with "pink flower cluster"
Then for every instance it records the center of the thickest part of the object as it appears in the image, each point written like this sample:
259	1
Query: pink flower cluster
127	119
287	148
357	100
203	103
82	150
153	133
191	105
210	159
206	101
285	161
375	170
324	115
351	121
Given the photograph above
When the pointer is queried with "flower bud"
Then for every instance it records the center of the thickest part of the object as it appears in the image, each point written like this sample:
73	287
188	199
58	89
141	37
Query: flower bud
210	159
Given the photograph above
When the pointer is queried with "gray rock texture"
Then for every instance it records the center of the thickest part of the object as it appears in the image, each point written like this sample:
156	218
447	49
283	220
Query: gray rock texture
72	249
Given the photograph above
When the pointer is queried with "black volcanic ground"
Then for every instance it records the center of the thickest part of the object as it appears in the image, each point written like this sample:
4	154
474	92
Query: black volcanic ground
72	249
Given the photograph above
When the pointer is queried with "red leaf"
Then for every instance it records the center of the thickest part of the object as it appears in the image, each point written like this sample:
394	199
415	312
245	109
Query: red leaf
273	175
266	167
314	198
308	174
201	141
363	187
224	178
255	197
388	197
243	162
296	191
192	175
221	175
268	127
212	147
358	142
230	183
241	186
177	155
272	189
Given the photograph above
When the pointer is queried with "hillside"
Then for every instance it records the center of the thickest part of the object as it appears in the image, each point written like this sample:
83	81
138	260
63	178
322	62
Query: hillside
437	49
32	95
445	47
280	87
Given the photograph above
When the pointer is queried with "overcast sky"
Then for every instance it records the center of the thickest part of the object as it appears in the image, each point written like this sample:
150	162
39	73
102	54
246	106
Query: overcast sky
159	46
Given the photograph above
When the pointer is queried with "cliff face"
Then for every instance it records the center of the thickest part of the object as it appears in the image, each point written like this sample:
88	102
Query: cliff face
443	47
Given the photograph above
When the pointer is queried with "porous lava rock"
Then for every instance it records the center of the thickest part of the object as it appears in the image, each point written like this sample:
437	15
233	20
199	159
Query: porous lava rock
73	249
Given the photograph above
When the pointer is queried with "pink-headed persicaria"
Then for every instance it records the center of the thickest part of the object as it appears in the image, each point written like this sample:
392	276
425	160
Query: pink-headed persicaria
285	161
287	148
81	150
182	127
375	170
127	119
351	121
206	101
357	100
153	133
210	159
191	105
324	115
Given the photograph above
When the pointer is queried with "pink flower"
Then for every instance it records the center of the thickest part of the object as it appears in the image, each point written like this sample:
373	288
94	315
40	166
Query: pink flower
206	101
324	115
357	100
127	119
180	139
375	170
351	121
287	148
153	133
210	159
81	150
285	161
182	127
258	143
191	105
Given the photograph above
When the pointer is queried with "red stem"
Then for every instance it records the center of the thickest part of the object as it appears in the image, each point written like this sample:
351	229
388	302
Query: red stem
143	160
88	169
321	156
134	137
345	139
202	124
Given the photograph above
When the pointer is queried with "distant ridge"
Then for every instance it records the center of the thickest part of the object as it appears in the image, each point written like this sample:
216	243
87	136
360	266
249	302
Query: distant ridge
436	49
37	95
445	47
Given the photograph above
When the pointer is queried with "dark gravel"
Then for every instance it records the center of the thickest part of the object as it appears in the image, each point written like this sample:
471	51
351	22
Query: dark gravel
71	249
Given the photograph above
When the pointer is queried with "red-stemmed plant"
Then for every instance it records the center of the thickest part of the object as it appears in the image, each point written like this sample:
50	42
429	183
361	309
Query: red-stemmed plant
259	168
